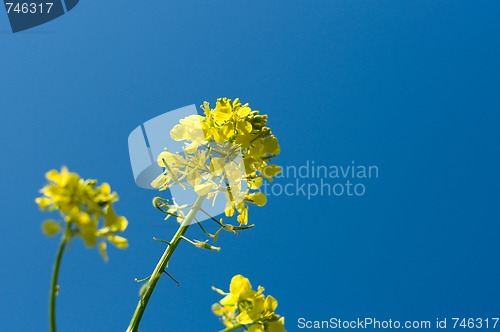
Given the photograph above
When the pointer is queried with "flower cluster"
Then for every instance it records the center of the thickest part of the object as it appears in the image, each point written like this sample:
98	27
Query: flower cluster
82	204
246	308
226	151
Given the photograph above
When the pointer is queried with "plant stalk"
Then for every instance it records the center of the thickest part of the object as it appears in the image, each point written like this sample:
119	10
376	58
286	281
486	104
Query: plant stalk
54	288
162	263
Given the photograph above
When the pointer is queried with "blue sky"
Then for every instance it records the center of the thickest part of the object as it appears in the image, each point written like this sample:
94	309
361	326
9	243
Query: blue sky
409	86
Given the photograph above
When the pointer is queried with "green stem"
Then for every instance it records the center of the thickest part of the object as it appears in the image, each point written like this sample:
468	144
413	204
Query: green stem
162	263
54	288
233	328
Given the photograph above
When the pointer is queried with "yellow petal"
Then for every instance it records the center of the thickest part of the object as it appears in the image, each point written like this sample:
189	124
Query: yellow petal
244	127
114	222
51	227
43	202
229	210
218	309
230	301
243	111
104	189
270	304
102	251
223	110
239	284
255	183
81	218
194	177
179	133
217	165
227	131
118	241
271	145
251	164
257	148
271	170
204	188
243	140
243	217
277	326
53	176
88	234
257	198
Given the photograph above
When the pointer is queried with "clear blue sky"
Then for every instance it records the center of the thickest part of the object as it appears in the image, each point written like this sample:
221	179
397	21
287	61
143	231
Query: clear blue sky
409	86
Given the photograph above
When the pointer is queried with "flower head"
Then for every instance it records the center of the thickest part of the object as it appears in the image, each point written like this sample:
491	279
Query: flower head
228	151
82	205
243	306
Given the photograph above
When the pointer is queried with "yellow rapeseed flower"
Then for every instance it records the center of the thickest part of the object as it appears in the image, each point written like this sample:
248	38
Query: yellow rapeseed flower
82	205
232	143
246	307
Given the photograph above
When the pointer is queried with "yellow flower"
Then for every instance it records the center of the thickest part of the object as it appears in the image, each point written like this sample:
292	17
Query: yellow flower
232	143
82	205
239	285
247	307
241	297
